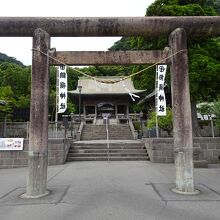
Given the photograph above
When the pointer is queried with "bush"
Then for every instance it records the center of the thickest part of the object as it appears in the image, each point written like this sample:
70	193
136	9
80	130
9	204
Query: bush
216	112
137	125
164	122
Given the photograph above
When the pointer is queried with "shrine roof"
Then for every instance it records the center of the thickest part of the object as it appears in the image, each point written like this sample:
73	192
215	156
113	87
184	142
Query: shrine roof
94	87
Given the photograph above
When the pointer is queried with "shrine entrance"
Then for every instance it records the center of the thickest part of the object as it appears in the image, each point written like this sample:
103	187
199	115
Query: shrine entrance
106	108
42	29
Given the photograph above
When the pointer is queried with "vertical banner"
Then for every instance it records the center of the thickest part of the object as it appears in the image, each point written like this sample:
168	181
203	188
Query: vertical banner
161	99
62	89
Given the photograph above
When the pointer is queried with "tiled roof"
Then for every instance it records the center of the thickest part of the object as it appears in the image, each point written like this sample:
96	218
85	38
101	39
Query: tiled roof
90	87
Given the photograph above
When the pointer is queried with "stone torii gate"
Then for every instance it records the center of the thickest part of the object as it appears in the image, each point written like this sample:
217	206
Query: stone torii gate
41	29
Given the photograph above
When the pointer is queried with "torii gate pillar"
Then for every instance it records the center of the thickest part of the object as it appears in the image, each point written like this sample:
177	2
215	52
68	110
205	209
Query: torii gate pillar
38	140
182	122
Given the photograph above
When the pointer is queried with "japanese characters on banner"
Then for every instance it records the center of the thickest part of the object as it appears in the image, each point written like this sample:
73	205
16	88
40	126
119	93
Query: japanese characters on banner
11	143
161	99
62	89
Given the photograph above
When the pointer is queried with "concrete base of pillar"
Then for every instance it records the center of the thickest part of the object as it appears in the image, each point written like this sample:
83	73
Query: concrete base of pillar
194	192
26	196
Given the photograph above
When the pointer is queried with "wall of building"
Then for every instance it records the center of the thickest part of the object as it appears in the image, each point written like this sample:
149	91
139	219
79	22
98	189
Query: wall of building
57	153
161	150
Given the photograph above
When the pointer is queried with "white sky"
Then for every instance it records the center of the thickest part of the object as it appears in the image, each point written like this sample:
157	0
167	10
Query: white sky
20	48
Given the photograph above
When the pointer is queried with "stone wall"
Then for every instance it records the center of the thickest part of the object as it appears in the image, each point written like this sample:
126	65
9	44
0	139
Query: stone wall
160	150
57	153
20	129
210	149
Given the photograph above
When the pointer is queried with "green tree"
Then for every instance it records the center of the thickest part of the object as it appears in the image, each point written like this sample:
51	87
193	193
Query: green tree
14	86
205	109
215	108
164	122
7	95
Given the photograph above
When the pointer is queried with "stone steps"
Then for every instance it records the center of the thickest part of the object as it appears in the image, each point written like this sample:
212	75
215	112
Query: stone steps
105	154
106	158
129	151
98	151
200	163
98	132
103	147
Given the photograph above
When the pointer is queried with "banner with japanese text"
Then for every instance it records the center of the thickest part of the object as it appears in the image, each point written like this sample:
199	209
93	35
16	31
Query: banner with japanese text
62	89
11	143
161	99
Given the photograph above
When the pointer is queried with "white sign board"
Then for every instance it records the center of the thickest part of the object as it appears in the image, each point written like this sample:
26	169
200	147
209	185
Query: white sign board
62	89
11	143
161	99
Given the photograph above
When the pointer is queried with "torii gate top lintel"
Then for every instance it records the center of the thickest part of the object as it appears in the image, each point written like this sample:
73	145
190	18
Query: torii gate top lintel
109	26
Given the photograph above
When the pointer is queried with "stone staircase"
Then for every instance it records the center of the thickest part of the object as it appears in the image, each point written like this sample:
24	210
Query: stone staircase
98	151
98	132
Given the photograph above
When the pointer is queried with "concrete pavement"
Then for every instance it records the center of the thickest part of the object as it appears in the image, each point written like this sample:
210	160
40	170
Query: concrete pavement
111	191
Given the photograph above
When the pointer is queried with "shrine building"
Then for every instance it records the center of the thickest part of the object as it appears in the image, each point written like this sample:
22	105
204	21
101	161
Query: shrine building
97	99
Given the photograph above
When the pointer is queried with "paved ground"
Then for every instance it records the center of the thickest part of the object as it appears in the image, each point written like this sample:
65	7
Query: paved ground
110	191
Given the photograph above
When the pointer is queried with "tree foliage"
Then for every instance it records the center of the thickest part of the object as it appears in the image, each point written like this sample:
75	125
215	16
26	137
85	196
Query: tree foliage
5	58
204	53
216	111
15	87
211	109
165	122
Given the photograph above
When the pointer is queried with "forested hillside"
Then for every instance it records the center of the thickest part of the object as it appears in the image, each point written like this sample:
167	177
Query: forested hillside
5	58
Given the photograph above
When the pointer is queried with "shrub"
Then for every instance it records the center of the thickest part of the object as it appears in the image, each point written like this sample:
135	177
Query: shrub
164	122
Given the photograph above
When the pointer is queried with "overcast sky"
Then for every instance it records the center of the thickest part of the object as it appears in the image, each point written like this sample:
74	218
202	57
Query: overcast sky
20	48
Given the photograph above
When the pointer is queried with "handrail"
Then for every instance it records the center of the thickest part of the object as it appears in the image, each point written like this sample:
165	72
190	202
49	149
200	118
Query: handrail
107	134
132	128
79	132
